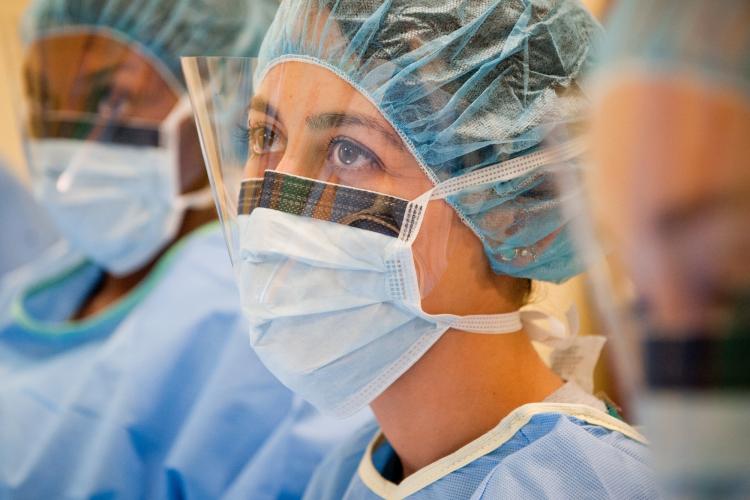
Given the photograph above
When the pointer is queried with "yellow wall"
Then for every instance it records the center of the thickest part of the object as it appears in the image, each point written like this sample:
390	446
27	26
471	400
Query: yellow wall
10	142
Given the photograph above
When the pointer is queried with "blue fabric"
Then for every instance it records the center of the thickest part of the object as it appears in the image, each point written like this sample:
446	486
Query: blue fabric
552	456
466	85
160	396
165	30
26	228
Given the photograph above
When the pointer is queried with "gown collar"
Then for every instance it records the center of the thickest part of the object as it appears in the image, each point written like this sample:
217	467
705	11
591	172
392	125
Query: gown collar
481	446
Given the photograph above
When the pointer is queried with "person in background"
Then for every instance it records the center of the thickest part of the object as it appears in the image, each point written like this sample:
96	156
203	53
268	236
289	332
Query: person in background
127	374
26	229
397	197
671	178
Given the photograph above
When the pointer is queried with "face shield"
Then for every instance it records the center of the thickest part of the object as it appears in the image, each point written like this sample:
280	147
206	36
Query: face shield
670	206
333	223
669	203
670	182
101	124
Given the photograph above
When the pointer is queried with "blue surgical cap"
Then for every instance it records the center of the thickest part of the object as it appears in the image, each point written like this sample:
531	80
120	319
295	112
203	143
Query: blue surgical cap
164	30
466	84
708	39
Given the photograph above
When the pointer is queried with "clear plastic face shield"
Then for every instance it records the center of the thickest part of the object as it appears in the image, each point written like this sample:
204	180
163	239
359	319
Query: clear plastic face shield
102	127
300	139
670	184
93	87
332	223
670	197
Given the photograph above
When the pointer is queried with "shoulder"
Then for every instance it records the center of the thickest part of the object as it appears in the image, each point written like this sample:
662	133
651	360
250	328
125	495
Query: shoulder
560	456
333	475
199	265
206	244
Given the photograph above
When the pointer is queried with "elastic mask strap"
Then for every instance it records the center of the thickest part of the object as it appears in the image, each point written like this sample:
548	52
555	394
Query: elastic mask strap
413	217
196	199
169	137
168	130
483	323
510	169
499	172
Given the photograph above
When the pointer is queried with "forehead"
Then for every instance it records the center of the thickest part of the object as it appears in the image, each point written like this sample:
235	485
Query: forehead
672	139
64	70
304	84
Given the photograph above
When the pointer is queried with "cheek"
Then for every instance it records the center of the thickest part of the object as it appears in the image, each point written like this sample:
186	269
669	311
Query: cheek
448	256
432	246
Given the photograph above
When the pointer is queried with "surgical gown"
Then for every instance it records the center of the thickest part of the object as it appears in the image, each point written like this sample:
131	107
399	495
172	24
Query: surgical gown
27	231
552	449
160	396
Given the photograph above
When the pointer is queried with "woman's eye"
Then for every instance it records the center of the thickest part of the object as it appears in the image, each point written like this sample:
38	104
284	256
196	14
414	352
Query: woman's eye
348	154
264	140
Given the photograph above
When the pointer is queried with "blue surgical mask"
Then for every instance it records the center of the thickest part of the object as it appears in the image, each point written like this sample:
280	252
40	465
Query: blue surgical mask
117	204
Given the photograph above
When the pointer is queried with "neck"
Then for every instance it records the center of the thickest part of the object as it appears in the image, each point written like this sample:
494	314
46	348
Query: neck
113	288
460	389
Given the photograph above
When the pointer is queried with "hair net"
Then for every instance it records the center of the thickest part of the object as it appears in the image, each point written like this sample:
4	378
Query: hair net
710	38
164	29
466	85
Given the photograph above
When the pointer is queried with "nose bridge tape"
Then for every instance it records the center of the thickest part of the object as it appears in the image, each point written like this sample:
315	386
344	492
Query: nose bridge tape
305	197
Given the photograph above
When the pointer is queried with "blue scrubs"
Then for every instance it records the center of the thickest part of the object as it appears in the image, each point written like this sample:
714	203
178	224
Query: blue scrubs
26	228
541	450
160	396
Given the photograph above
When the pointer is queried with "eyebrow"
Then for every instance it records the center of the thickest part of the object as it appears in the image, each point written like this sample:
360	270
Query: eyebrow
262	106
331	120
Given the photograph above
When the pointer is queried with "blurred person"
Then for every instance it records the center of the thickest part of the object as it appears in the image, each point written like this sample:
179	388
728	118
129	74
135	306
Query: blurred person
127	374
26	229
385	175
672	188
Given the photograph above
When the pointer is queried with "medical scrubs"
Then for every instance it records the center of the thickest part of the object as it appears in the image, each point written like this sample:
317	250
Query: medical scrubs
159	396
568	446
27	230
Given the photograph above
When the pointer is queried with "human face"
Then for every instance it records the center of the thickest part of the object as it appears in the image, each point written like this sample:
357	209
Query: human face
673	183
78	82
87	86
306	121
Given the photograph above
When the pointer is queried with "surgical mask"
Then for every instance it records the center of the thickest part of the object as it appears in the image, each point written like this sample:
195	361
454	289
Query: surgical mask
117	204
328	281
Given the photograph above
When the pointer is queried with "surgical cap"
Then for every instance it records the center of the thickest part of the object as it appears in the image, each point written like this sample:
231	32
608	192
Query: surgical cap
165	30
466	84
711	39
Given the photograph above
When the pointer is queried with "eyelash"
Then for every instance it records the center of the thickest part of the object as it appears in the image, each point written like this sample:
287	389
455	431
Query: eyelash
245	133
343	139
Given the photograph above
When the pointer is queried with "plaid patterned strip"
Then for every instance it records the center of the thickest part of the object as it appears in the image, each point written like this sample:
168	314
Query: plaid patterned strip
309	198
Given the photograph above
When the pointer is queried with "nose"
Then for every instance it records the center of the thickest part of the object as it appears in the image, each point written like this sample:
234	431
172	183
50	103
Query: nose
292	164
301	159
